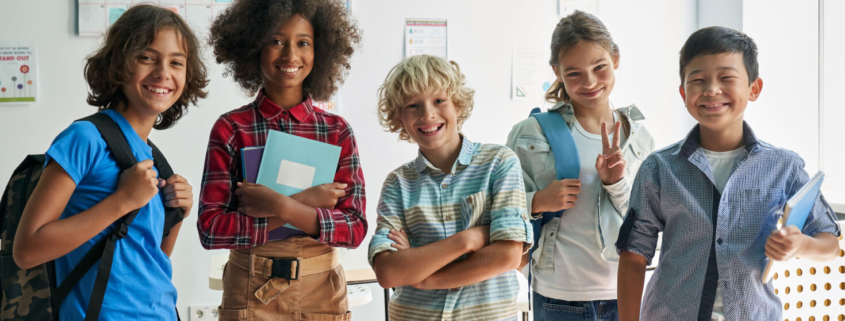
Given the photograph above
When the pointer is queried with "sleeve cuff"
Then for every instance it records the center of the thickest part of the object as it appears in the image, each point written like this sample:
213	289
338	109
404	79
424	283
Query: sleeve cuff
529	201
331	232
618	188
378	248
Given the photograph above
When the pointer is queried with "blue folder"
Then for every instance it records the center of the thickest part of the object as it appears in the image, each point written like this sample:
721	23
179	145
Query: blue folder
797	209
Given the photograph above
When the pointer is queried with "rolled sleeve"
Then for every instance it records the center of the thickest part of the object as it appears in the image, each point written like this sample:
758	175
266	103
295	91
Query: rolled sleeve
528	180
822	219
509	218
391	216
346	224
643	222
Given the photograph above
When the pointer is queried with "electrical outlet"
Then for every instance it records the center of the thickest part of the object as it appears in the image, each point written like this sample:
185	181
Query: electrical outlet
203	313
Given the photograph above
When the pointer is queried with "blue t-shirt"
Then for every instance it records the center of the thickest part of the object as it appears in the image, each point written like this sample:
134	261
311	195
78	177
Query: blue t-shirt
140	286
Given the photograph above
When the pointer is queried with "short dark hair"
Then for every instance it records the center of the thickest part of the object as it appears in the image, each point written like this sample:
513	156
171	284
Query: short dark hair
717	40
110	67
240	33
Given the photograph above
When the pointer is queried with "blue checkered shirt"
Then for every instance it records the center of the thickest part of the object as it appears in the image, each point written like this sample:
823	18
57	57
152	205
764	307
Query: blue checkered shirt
674	193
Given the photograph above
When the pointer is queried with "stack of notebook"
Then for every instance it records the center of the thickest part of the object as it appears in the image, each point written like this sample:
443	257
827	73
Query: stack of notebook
289	164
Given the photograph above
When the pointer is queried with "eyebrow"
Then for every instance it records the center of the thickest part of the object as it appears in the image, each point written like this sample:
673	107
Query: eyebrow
300	35
719	69
595	63
176	54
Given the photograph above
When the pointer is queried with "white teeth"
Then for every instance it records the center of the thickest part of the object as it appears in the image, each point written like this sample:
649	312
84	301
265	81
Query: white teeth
157	90
290	69
430	129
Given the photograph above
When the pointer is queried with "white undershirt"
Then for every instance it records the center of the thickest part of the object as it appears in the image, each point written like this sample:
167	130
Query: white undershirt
721	164
581	274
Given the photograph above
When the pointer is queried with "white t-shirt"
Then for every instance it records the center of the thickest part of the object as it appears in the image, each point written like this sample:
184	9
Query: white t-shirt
721	163
580	272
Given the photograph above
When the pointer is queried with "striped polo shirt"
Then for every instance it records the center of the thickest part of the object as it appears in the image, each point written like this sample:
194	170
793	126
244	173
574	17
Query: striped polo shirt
485	187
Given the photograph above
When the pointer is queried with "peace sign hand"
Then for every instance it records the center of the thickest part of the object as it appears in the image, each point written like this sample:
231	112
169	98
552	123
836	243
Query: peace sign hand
610	164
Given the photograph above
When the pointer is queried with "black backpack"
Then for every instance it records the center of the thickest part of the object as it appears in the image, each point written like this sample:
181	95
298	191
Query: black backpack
32	294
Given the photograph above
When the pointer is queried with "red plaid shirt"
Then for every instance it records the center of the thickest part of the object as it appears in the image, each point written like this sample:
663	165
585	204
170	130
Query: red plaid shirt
219	223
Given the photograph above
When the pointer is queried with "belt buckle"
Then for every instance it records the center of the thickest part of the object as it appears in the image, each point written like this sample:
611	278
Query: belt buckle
282	268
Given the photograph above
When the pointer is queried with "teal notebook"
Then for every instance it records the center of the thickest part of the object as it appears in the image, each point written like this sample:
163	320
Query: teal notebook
291	163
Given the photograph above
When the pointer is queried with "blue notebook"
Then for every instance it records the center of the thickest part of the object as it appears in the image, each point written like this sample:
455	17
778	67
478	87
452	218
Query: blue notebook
797	209
291	163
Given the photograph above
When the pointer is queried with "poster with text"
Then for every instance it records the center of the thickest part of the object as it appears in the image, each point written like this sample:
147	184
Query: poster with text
18	82
95	16
425	37
567	7
531	75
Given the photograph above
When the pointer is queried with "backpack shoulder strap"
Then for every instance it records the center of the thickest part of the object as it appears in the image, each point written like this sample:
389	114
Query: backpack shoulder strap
172	215
567	163
114	138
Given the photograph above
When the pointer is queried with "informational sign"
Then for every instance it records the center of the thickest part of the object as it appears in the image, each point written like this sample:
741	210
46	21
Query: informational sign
18	81
567	7
531	75
425	37
95	16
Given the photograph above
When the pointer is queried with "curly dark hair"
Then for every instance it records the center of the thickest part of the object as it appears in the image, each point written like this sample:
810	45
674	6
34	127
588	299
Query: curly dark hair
108	68
240	33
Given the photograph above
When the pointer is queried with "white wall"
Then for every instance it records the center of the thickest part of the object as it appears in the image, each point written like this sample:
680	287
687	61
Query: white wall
786	114
481	33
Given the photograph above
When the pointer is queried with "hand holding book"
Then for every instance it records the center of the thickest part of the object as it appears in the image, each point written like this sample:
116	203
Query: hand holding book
785	243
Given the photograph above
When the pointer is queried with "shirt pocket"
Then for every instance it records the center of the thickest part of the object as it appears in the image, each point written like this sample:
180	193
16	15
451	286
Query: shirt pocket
472	209
761	209
634	157
533	153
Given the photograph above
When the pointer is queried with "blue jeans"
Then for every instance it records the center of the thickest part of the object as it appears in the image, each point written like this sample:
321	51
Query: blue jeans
547	309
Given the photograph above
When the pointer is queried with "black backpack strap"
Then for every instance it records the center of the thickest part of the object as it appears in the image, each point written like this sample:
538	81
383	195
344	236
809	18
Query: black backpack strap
172	215
114	139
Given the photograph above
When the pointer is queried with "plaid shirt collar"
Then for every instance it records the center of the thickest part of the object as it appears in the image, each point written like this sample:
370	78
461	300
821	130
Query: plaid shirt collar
467	149
693	141
270	110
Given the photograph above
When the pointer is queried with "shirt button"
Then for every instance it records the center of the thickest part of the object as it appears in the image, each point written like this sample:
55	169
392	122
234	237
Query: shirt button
531	148
285	113
551	234
719	241
455	289
448	218
444	185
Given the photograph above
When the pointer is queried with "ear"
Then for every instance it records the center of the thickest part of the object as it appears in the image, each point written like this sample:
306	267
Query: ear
683	93
556	70
615	59
756	89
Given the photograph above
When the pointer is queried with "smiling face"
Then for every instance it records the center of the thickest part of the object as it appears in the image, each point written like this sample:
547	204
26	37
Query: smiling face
158	74
587	73
431	120
716	90
289	57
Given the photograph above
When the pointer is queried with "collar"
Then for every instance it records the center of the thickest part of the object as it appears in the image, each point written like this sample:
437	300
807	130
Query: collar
632	113
270	110
467	150
693	140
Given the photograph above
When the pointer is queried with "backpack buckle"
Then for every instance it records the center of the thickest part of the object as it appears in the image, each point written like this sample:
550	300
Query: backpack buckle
286	268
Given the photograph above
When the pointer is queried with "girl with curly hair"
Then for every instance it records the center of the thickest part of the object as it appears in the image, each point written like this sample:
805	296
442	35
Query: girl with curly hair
288	53
144	76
